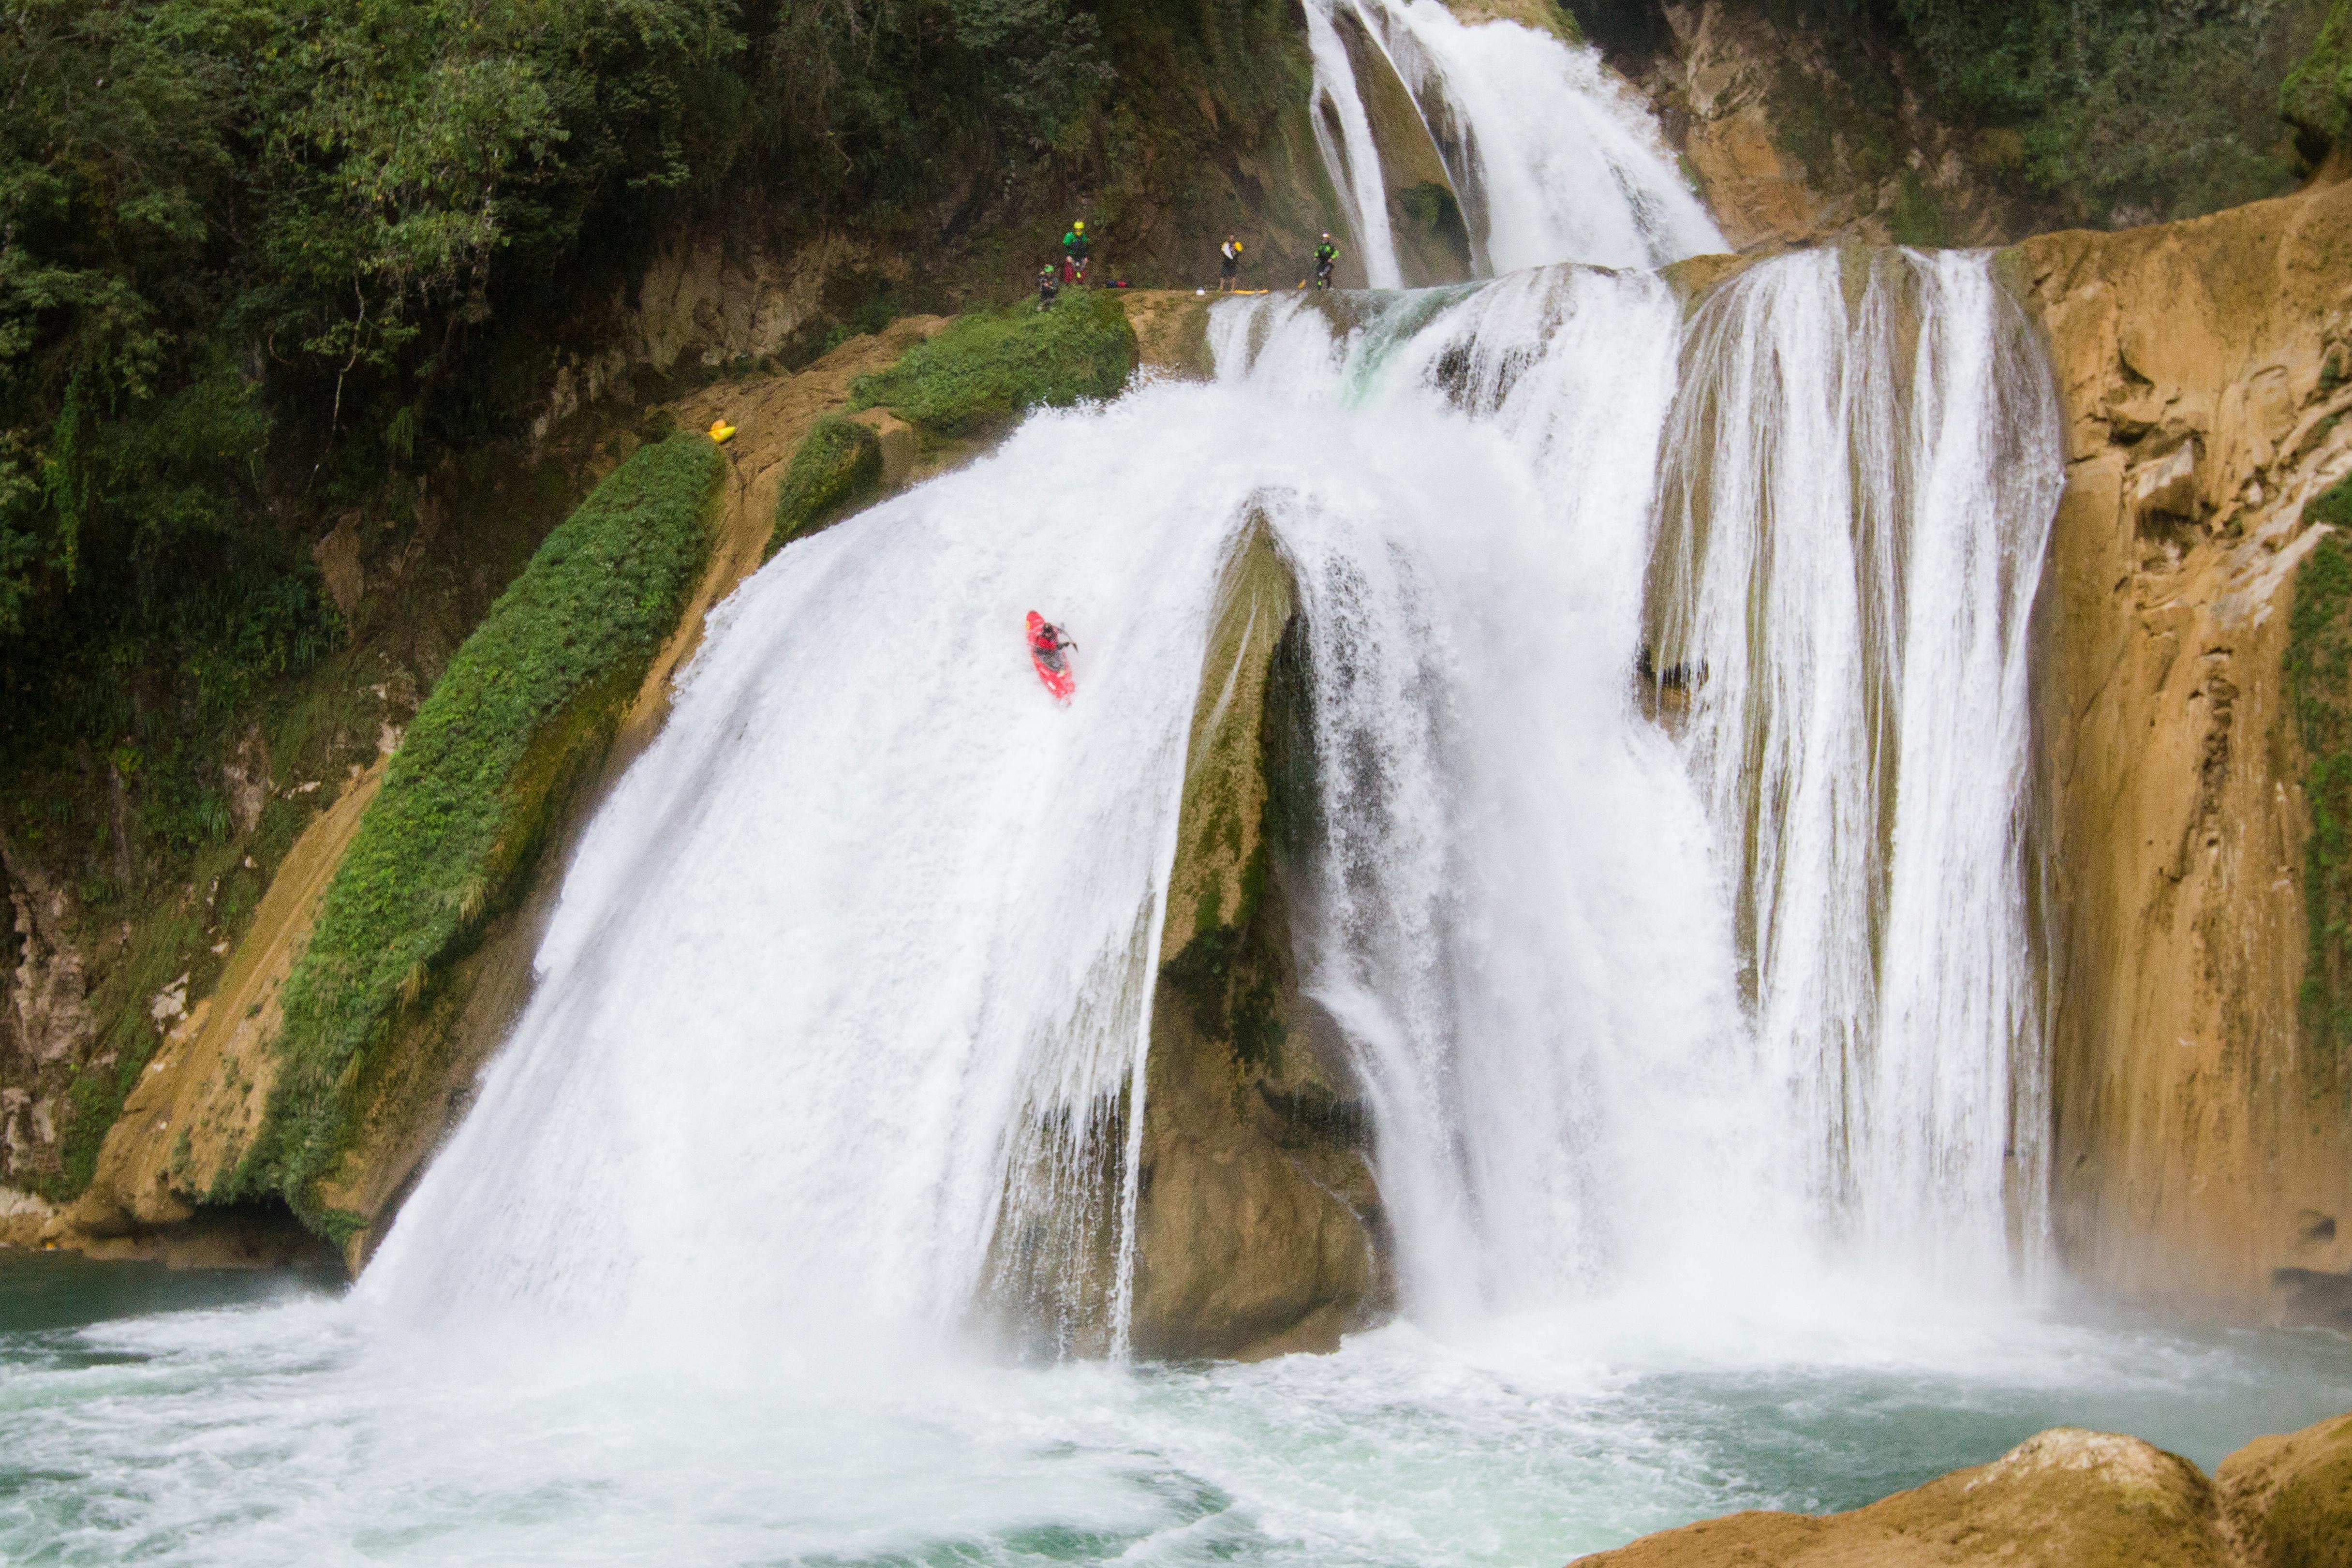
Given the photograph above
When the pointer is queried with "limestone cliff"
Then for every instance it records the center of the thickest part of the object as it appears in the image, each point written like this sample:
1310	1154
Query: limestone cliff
2203	1149
1798	133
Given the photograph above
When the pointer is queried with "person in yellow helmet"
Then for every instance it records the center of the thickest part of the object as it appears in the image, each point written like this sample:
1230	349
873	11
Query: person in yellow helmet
1075	245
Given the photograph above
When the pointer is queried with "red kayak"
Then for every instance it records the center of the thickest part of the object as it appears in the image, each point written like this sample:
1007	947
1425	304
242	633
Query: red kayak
1045	645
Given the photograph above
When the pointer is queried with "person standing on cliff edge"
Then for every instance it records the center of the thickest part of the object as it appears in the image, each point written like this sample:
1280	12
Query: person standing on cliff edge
1229	270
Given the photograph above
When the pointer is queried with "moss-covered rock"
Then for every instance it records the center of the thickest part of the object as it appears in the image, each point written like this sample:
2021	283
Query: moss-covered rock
2317	96
1259	1228
836	468
2319	669
989	367
495	754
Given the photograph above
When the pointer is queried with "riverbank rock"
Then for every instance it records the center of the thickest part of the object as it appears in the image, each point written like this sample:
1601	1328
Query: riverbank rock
2286	1502
2065	1499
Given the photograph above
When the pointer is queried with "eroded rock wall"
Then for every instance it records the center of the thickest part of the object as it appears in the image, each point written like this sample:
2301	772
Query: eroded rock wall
2203	1147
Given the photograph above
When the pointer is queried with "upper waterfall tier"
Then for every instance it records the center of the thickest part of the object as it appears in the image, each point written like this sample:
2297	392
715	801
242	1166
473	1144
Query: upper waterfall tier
1525	141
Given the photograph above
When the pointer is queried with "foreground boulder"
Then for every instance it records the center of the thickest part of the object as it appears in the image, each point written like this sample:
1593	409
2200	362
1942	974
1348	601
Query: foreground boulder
2067	1498
2286	1502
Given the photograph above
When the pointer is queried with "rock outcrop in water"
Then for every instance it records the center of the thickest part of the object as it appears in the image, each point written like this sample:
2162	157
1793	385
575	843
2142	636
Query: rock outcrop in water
2065	1499
2203	1154
1258	1229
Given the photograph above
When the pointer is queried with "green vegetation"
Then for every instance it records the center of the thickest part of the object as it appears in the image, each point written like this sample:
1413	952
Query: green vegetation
524	708
1916	218
836	468
2317	96
2319	673
264	264
2125	112
989	367
2104	112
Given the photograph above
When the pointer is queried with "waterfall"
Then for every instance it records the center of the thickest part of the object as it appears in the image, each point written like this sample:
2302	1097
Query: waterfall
839	1018
849	977
1730	965
1861	472
1548	157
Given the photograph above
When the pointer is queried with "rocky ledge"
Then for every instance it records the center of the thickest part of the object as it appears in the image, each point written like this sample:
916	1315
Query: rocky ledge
2065	1499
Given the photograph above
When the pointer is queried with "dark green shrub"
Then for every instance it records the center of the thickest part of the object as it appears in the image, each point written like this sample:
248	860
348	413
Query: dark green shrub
525	708
989	367
838	467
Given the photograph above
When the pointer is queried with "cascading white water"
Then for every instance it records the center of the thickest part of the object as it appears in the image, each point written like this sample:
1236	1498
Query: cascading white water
1861	475
847	977
1551	160
846	990
1536	922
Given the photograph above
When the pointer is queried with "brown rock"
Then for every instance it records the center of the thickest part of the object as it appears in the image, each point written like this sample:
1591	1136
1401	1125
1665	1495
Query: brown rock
2067	1498
1258	1229
2202	1152
2286	1502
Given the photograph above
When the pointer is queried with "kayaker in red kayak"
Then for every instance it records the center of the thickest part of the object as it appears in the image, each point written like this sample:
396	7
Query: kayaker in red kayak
1045	645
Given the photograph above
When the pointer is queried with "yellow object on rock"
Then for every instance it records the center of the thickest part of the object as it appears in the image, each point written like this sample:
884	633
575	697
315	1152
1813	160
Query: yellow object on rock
721	431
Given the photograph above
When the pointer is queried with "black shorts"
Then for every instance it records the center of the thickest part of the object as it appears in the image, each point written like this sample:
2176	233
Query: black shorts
1230	267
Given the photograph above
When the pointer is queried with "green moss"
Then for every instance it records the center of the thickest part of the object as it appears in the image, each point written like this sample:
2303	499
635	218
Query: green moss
466	800
2317	96
836	468
989	367
1917	218
2319	672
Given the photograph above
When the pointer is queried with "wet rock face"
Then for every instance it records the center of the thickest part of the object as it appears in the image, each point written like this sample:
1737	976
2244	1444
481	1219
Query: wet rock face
2203	1151
2067	1498
1258	1227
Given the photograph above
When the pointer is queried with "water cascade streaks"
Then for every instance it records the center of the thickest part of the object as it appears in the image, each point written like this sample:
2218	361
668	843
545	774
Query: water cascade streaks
1861	473
1514	920
1549	158
847	982
839	1018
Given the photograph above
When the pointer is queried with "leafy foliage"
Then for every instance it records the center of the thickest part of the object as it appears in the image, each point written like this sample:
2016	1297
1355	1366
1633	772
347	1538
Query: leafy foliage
2127	111
989	366
2319	673
464	801
837	466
